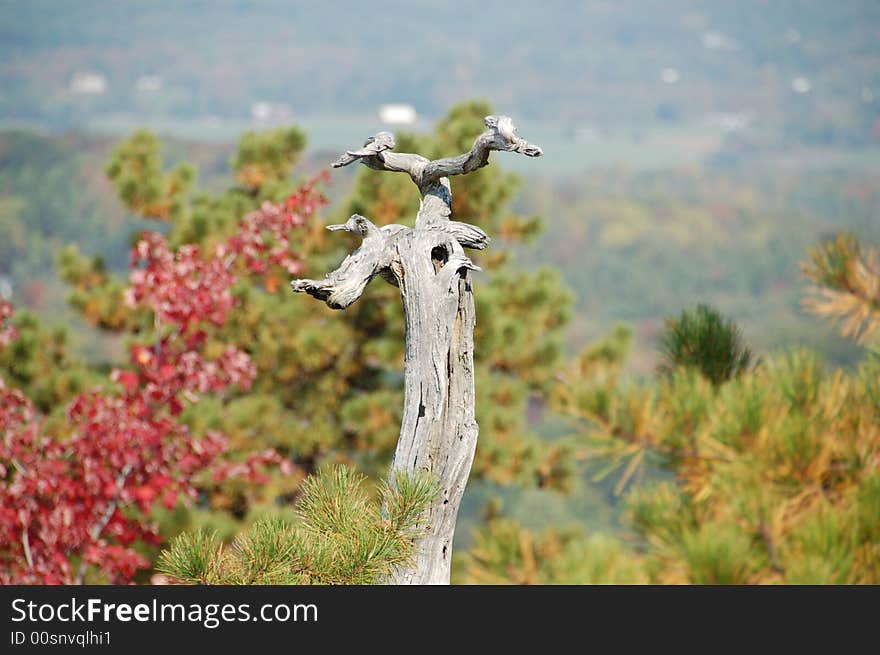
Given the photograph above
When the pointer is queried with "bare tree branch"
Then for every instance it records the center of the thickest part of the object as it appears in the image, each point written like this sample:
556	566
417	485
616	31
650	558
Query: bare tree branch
377	155
102	522
342	287
377	254
501	136
26	545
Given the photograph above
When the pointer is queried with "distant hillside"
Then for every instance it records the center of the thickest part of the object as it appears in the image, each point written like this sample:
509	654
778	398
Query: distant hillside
789	70
638	246
633	246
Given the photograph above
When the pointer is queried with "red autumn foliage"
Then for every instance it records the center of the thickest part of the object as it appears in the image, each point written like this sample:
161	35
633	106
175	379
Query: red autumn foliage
83	498
264	236
8	333
180	287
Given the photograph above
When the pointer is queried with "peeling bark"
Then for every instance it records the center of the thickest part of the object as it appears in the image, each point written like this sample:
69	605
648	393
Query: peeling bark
439	430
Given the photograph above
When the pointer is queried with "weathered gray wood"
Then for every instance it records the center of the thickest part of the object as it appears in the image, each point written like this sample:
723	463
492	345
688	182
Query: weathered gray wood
439	430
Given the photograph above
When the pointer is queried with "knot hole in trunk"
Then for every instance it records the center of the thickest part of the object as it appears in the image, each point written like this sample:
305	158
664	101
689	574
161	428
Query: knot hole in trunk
439	256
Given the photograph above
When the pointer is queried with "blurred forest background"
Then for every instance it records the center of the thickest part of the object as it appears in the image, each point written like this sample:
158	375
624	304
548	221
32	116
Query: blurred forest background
694	152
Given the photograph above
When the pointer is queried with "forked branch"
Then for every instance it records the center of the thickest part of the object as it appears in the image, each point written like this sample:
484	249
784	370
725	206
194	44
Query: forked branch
500	135
377	254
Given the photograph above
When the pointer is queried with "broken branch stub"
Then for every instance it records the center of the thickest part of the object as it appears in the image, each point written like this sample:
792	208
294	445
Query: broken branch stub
427	262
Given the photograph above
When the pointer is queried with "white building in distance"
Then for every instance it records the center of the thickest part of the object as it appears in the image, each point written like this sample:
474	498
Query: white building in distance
730	121
398	114
714	40
801	85
670	75
88	84
270	112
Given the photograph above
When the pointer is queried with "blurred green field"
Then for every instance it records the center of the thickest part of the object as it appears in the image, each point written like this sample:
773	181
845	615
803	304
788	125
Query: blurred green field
569	149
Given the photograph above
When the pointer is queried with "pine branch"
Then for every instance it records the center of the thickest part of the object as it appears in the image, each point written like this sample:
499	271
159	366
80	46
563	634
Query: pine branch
340	537
846	286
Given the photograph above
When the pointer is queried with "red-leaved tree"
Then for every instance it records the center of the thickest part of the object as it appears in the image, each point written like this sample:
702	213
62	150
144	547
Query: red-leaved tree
83	498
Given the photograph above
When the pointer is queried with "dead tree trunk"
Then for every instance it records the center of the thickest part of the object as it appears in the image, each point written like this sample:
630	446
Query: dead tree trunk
427	262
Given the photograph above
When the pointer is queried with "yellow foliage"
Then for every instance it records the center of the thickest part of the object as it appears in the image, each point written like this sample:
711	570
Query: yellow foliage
846	279
772	468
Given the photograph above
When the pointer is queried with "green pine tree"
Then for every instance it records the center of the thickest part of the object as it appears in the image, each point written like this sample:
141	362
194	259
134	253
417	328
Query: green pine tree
306	353
339	535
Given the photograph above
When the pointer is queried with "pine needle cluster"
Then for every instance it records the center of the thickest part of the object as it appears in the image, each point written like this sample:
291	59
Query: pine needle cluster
703	339
340	536
846	285
776	470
